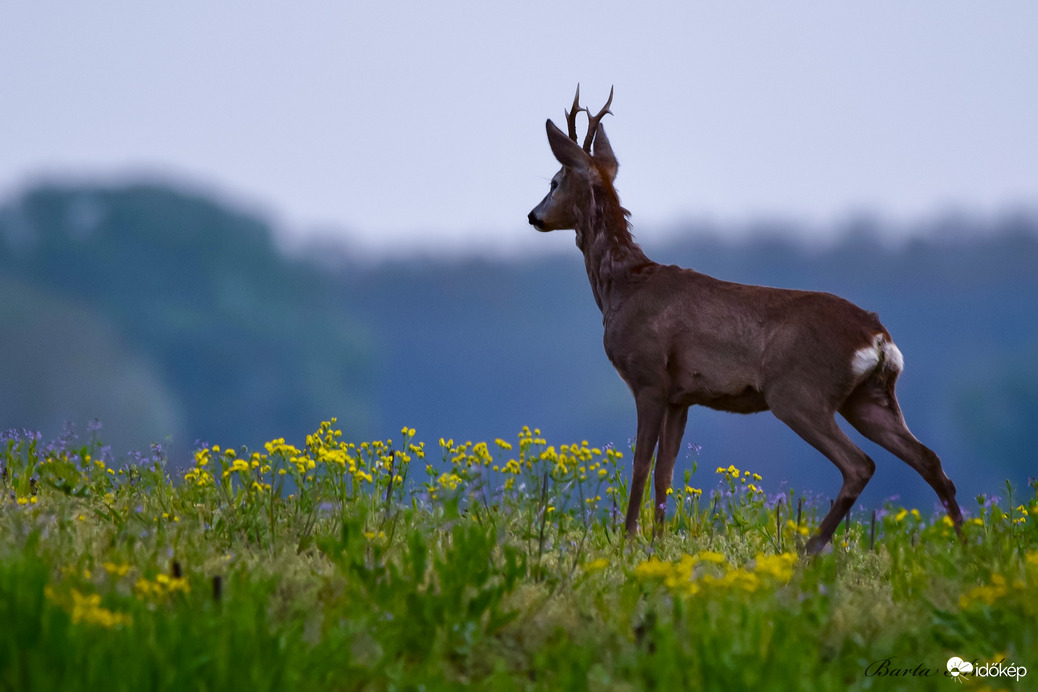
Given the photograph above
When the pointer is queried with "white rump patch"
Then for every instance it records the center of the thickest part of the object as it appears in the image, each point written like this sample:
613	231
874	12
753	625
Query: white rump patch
865	360
895	360
868	358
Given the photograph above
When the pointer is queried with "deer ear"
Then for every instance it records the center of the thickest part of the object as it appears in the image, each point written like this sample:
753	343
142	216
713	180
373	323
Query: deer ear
565	149
603	155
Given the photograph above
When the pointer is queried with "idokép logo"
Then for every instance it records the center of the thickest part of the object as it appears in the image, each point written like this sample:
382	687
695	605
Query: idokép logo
960	670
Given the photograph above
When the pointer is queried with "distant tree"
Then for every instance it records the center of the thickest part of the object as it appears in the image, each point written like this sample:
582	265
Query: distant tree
250	343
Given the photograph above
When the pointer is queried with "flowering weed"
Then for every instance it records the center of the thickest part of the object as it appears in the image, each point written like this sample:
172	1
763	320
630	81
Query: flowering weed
333	564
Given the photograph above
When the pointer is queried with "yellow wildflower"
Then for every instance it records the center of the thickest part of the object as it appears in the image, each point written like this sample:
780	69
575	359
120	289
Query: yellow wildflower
710	556
116	569
780	567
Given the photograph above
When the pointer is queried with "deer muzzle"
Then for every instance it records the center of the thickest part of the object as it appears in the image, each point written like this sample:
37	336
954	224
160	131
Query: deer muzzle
534	221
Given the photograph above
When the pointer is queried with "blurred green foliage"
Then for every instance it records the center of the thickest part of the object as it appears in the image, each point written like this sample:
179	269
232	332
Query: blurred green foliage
160	295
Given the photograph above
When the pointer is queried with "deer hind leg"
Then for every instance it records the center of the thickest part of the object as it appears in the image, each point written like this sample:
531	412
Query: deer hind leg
874	412
650	417
673	429
819	429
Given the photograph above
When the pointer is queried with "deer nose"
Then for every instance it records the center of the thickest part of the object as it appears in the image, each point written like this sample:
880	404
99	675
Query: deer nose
534	221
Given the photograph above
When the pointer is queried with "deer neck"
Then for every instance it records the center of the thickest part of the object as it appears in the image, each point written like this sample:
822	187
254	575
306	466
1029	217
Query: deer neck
615	263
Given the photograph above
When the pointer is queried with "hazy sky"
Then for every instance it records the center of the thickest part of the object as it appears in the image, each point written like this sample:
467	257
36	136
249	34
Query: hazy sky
403	125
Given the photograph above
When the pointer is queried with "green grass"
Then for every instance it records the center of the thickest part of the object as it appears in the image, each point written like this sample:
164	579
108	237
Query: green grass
338	566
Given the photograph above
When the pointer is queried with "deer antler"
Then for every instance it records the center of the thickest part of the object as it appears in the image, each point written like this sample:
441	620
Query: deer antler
571	115
592	125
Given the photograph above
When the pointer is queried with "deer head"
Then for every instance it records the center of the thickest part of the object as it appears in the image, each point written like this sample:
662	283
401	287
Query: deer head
582	169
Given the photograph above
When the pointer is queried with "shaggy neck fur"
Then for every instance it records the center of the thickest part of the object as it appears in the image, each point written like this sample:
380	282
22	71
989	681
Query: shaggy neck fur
615	264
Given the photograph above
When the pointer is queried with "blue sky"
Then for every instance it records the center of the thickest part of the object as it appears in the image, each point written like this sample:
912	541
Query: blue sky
401	126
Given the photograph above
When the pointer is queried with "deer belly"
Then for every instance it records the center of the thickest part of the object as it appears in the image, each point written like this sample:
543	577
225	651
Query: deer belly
732	397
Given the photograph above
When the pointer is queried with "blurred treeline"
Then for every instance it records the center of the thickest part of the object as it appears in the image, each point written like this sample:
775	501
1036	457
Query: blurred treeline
173	318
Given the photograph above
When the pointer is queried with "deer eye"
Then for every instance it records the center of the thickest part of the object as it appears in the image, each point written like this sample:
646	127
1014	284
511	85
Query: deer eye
554	184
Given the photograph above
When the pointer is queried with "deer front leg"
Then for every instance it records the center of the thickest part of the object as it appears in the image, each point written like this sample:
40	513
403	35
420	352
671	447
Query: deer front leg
666	456
650	418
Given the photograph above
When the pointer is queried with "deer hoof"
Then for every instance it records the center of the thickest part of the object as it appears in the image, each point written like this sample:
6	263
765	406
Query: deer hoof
815	545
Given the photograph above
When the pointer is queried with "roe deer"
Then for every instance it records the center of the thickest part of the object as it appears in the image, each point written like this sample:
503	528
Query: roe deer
678	337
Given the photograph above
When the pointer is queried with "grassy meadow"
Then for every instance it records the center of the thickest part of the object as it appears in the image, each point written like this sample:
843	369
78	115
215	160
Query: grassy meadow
402	564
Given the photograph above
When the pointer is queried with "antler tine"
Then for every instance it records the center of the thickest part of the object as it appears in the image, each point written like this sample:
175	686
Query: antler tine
571	115
592	125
